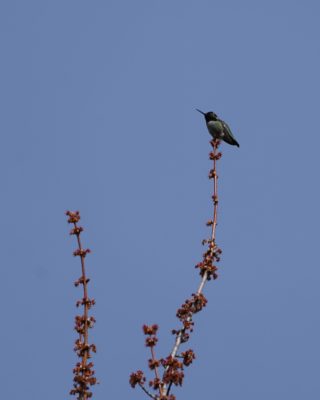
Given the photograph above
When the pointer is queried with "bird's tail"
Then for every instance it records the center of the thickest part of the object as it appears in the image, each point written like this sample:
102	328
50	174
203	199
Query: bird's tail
231	140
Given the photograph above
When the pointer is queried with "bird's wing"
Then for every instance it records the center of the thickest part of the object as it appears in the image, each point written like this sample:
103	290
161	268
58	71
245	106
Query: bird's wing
226	129
227	135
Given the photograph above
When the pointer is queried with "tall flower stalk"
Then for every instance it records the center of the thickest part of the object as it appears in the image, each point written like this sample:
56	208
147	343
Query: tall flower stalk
173	365
83	371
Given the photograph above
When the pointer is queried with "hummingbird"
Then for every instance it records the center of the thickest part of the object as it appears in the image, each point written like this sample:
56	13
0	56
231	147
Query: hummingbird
218	129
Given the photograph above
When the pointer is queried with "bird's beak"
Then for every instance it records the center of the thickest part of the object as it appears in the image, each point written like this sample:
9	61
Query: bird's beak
201	112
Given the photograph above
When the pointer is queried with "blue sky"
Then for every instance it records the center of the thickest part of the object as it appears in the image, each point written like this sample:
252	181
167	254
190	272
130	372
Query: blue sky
98	114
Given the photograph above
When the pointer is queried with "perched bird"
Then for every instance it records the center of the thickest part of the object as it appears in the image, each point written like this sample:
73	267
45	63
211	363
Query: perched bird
218	129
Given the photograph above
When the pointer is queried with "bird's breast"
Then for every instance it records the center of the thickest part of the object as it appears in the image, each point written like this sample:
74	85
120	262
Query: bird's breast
215	129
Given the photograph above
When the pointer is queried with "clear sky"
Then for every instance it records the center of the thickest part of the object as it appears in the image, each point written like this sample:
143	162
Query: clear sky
98	114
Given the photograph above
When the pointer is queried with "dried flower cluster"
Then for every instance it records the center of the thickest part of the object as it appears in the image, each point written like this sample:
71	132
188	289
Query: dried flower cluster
172	366
83	371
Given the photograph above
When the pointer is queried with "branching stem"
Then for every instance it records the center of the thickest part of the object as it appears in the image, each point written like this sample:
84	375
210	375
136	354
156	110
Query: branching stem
215	145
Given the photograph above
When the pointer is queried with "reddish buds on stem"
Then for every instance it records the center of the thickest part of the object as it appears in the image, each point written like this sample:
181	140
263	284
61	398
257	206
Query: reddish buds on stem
83	371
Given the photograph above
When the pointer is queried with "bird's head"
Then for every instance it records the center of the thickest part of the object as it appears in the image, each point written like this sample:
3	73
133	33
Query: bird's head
209	116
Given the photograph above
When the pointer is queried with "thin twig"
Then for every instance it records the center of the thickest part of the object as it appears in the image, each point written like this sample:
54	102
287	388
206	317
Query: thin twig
153	396
83	371
156	368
